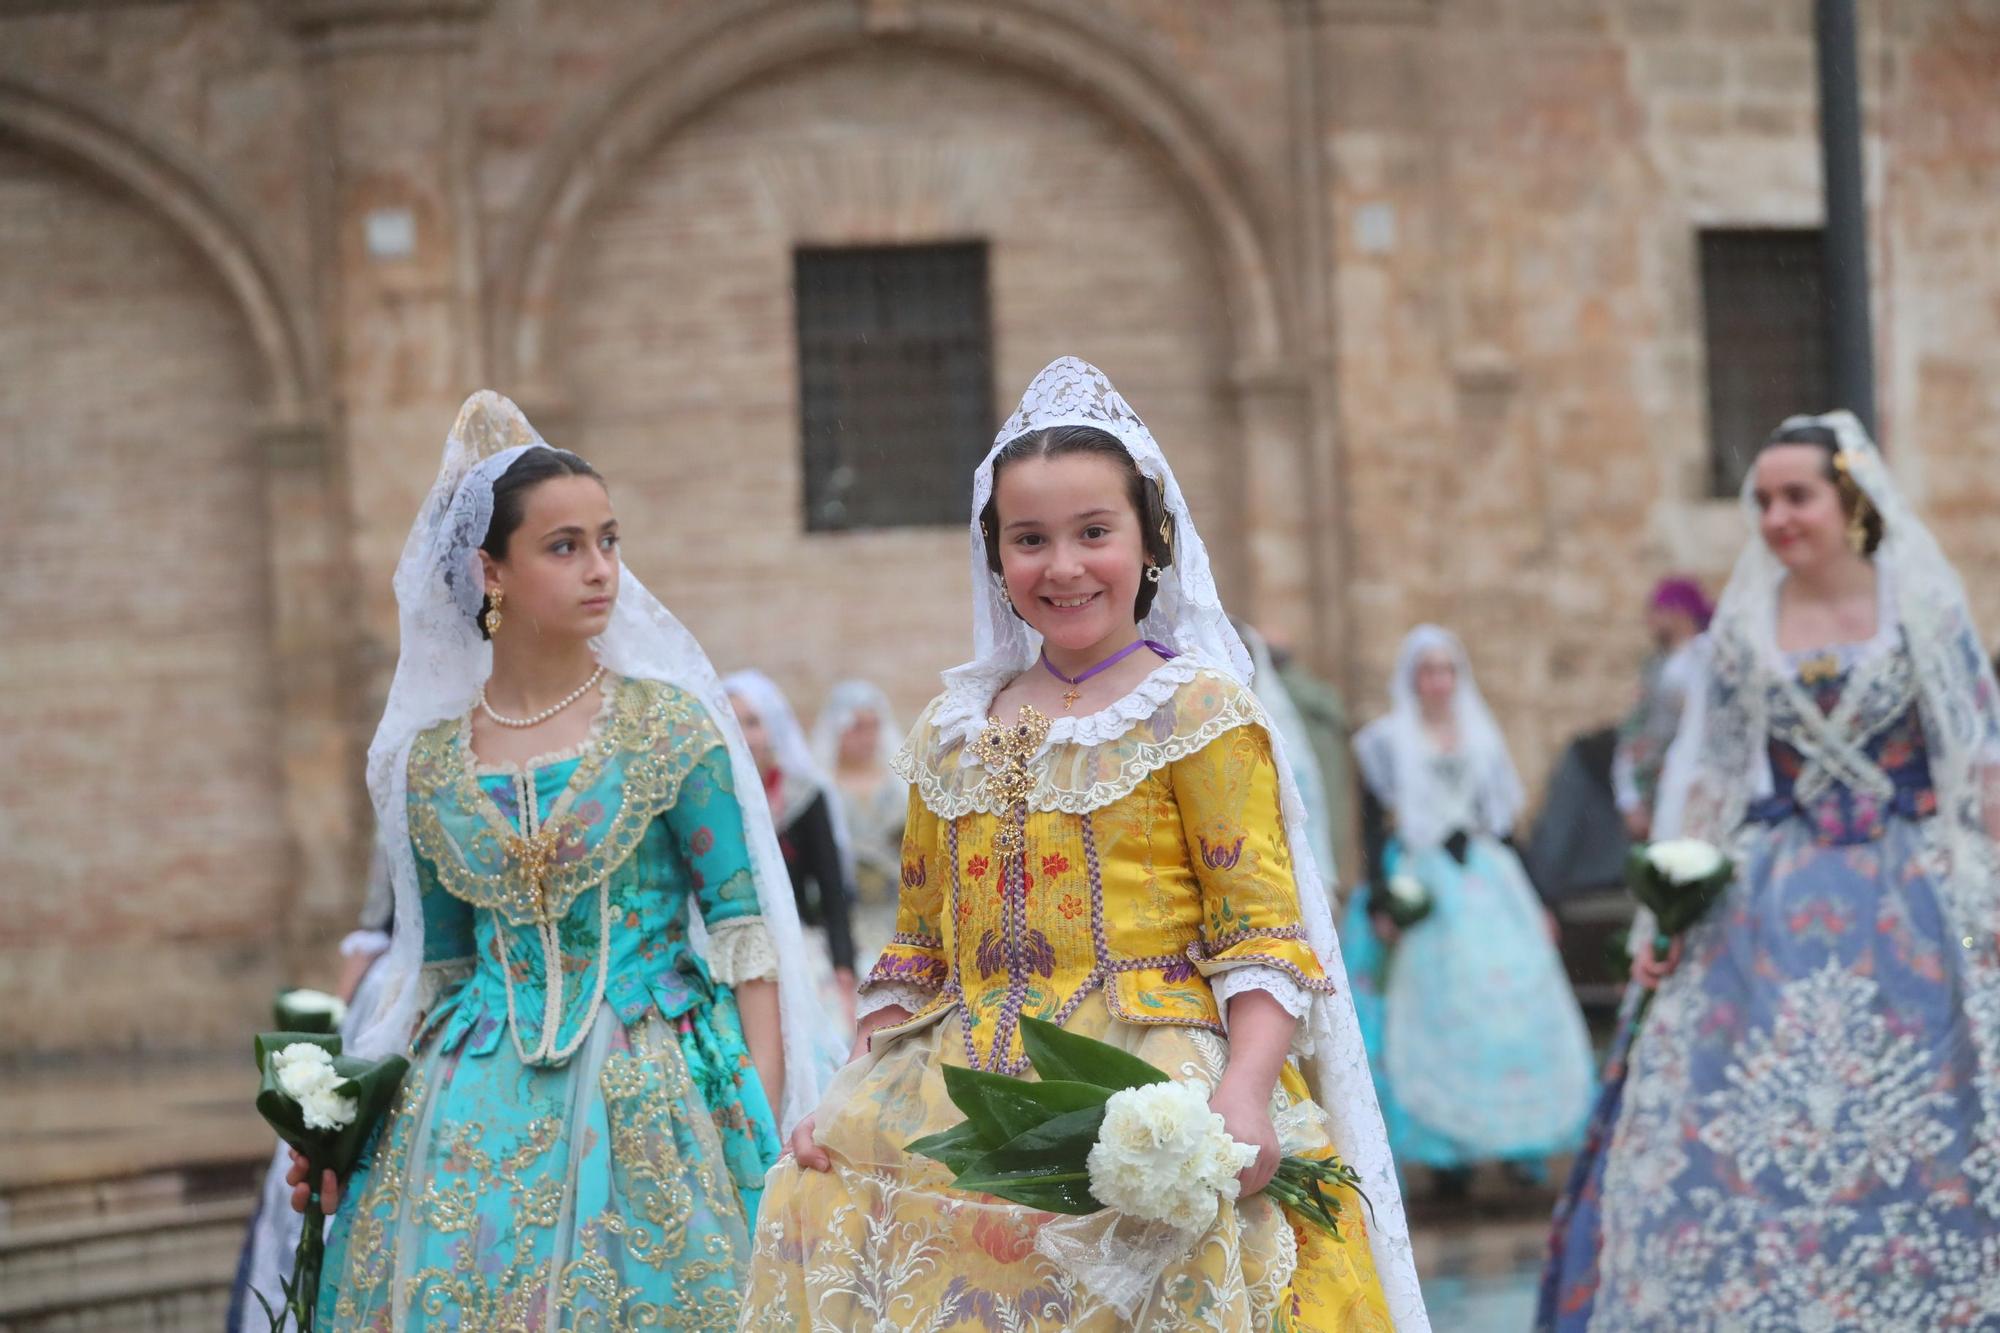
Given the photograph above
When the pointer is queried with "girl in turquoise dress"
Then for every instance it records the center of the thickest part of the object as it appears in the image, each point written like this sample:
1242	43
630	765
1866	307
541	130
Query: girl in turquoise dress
1479	1049
601	1061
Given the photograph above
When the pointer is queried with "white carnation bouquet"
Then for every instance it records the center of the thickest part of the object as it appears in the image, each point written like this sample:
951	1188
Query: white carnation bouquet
301	1009
324	1104
1404	899
1677	880
1101	1131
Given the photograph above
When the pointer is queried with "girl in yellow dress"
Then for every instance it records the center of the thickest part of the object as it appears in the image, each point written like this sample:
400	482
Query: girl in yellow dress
1101	835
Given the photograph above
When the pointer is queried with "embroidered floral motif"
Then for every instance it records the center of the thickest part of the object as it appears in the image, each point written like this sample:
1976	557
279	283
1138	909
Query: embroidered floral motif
1019	921
909	968
913	873
1828	1097
1218	856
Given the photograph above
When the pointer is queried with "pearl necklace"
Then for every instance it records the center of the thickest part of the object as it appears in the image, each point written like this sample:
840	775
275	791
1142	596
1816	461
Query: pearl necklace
546	713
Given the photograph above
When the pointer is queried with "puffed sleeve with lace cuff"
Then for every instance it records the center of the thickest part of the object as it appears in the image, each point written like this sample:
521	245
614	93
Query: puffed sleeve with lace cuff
1228	797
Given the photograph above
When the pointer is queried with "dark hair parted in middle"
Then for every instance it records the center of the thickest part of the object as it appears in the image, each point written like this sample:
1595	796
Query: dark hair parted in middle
1854	501
1155	527
510	501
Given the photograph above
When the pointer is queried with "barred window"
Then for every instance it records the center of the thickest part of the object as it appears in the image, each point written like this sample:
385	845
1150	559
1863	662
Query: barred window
1764	320
895	383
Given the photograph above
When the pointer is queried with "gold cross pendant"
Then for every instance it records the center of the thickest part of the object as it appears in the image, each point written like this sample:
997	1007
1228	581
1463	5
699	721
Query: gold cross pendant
1070	696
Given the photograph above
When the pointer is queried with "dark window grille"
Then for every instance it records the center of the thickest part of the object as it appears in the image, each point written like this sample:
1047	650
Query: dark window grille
895	383
1764	320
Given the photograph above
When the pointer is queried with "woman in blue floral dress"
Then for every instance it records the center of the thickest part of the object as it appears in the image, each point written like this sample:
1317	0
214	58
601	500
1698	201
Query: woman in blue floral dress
1807	1134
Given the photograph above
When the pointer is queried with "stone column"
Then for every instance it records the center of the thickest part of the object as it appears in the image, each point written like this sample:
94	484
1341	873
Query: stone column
398	278
401	260
1326	641
311	623
1281	504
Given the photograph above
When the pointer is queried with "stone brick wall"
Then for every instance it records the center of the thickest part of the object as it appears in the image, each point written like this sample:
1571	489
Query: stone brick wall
1406	287
142	853
680	340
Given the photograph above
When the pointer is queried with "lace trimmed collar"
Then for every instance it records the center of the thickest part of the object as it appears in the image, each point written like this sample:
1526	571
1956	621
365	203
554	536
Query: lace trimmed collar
965	707
1084	763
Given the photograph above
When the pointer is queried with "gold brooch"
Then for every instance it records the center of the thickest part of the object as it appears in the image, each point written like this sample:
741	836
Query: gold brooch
536	856
1006	752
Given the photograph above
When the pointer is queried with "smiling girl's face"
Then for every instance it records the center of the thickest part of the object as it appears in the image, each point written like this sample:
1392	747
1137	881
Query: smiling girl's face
1070	550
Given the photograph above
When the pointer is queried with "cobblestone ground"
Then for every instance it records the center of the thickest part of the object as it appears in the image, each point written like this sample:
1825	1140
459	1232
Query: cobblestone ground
1480	1258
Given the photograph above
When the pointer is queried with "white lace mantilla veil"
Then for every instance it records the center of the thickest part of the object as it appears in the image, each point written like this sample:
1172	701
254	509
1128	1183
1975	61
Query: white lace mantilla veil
844	703
441	666
1725	730
1393	753
795	757
1187	616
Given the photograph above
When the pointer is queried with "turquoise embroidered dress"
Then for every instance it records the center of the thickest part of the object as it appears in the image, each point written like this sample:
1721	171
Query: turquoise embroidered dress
582	1139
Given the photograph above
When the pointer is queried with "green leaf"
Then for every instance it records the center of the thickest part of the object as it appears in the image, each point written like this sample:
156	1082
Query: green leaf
957	1147
1065	1195
1638	870
1057	1054
1046	1167
374	1091
1005	1107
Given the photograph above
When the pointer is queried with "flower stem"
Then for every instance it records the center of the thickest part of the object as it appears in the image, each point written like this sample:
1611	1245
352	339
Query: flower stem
307	1260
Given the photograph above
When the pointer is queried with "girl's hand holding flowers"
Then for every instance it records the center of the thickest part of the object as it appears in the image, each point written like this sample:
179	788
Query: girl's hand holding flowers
1248	1121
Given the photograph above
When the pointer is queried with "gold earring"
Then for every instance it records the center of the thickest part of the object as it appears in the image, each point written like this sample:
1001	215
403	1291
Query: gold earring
1857	530
493	611
1000	586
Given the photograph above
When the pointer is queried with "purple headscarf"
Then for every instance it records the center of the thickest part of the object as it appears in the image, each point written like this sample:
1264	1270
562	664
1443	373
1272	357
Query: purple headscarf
1686	596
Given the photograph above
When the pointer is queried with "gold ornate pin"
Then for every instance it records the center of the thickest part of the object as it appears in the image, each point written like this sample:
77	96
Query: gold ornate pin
1006	752
536	856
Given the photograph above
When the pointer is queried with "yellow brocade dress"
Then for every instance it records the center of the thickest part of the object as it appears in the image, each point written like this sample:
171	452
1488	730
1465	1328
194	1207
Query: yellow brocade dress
1103	877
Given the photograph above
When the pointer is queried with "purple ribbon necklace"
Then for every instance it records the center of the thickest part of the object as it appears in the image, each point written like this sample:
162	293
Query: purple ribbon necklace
1071	695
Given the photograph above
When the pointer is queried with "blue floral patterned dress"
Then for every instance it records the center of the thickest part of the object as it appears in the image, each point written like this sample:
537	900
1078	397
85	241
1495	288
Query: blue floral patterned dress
1790	1140
582	1139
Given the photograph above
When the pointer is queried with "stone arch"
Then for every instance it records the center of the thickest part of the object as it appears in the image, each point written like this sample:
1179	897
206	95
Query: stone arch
695	64
288	491
88	131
